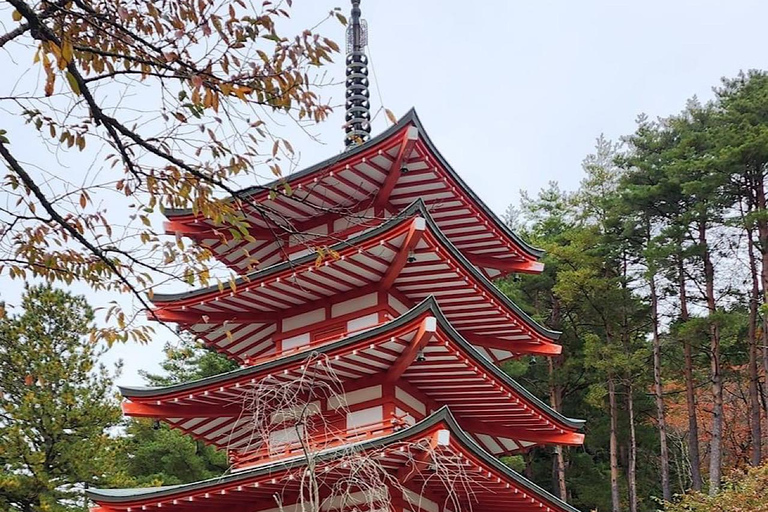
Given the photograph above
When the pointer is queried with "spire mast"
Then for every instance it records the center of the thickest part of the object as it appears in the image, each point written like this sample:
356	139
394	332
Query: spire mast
358	105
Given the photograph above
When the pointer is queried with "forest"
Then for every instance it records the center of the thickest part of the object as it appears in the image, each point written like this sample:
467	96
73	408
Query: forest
656	274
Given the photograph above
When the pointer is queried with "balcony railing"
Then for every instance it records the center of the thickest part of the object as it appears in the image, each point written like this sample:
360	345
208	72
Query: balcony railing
267	452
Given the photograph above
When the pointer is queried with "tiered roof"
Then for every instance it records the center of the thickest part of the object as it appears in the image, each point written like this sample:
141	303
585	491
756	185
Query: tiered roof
499	413
241	323
404	313
357	189
494	486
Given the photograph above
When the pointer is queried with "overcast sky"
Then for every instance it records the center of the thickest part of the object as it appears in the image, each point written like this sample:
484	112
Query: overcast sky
514	93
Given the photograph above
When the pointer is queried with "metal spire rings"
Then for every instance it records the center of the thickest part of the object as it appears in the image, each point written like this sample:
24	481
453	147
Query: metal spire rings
358	105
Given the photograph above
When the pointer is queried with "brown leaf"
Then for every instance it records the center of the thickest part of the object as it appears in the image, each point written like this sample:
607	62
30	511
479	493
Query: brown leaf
390	116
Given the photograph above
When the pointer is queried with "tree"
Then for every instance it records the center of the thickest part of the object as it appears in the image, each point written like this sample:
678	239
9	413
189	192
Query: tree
56	405
209	76
745	491
742	151
152	453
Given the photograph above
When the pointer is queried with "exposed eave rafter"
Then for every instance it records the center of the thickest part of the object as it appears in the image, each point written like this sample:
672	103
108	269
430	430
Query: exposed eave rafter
406	146
427	328
415	232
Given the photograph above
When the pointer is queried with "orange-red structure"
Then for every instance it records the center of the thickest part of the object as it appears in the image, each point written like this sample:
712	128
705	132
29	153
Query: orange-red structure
405	314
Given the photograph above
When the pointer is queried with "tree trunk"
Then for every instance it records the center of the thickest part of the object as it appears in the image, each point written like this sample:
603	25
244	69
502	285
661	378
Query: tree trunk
558	461
690	385
632	463
716	377
528	459
754	376
762	243
659	391
614	446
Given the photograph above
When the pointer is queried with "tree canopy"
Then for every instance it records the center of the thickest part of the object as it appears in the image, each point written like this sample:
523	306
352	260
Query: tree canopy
56	405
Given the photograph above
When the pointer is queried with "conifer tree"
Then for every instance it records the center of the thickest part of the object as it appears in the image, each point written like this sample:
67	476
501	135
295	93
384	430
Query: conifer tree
56	405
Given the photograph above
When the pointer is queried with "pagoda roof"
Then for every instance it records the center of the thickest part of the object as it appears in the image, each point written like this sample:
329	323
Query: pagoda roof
365	176
507	415
241	323
493	484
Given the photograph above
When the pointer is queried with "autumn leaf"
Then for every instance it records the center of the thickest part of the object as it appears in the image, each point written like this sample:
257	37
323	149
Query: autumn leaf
73	83
390	116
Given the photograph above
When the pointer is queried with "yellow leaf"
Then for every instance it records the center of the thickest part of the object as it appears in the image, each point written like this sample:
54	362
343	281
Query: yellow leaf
66	51
16	16
73	83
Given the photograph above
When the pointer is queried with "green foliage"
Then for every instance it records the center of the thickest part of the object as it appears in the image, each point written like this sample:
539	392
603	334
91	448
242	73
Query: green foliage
745	492
56	405
153	454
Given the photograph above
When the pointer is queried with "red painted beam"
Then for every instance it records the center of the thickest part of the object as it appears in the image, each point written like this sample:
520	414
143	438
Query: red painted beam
142	410
198	317
415	233
406	146
522	434
203	231
521	267
419	341
543	348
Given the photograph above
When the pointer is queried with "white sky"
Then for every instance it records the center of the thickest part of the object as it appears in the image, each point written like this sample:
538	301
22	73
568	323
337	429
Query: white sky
514	93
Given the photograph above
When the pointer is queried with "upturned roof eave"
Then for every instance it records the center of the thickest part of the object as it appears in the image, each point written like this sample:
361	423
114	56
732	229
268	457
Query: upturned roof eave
417	206
440	417
428	305
410	117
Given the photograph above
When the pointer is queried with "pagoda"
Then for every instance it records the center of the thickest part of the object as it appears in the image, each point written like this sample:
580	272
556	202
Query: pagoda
369	336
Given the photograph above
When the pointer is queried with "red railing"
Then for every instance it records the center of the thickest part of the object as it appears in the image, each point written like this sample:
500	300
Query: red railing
319	442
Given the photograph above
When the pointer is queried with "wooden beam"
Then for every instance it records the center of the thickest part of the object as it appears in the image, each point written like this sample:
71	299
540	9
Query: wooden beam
143	410
534	436
427	328
519	347
202	231
414	235
406	146
200	317
520	267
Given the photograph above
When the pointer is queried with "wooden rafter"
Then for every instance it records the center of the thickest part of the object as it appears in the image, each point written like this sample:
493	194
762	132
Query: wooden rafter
410	137
427	328
415	232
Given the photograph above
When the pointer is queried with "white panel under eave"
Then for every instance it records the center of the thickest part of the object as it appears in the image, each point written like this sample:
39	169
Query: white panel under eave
490	444
304	319
360	500
282	437
365	417
405	416
297	412
397	305
296	341
410	400
362	322
354	397
352	305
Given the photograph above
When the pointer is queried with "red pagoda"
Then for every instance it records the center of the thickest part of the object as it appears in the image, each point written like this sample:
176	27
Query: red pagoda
369	336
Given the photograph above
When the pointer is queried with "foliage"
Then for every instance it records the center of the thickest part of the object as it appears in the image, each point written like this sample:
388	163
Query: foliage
172	103
745	492
154	454
56	405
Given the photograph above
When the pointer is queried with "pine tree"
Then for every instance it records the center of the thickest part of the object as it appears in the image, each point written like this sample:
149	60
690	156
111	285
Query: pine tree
56	405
